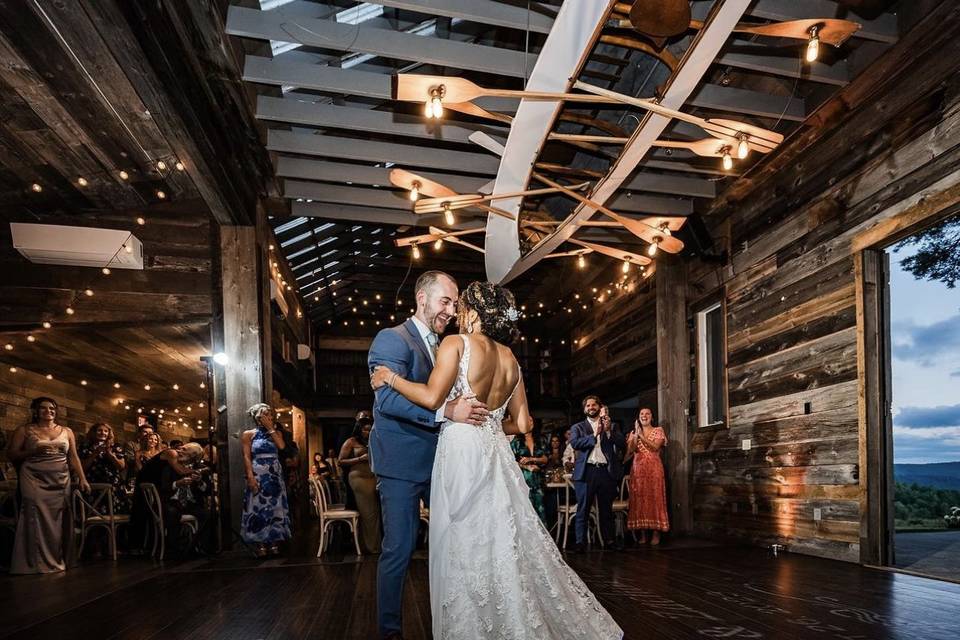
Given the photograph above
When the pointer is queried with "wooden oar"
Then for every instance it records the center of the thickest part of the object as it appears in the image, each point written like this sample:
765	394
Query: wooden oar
619	254
707	147
640	229
434	235
453	238
412	87
643	231
460	201
759	139
567	254
405	179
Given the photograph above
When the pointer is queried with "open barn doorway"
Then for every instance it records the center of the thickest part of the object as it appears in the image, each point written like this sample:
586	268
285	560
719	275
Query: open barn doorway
923	327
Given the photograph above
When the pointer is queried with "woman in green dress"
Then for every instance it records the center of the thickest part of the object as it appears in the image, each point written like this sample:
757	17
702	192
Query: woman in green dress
531	458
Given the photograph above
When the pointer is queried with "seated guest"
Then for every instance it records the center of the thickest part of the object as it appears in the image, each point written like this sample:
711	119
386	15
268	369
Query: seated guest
168	470
596	474
320	468
531	459
103	461
45	453
266	514
648	488
176	444
569	455
354	457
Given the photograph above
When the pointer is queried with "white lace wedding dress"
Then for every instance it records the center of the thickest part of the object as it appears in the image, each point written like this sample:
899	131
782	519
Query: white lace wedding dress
495	572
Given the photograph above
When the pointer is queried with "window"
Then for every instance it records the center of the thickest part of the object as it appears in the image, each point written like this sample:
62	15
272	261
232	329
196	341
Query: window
710	366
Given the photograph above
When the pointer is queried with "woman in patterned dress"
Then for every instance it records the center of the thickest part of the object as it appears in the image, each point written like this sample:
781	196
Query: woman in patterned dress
531	459
103	461
266	513
648	489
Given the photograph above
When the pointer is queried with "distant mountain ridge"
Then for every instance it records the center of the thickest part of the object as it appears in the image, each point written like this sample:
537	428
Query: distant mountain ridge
941	475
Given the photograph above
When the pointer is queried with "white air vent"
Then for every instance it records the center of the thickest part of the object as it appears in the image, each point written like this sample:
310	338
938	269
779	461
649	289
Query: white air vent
77	246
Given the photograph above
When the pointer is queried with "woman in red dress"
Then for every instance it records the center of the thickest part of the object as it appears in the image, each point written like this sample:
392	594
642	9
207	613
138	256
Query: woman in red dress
648	489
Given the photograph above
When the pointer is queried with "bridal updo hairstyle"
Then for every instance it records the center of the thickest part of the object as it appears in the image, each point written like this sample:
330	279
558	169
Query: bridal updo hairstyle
497	310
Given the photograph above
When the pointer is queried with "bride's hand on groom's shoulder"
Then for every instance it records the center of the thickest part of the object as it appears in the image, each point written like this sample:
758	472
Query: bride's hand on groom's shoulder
381	375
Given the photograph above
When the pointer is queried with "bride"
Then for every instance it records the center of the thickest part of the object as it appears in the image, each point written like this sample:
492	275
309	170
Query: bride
495	572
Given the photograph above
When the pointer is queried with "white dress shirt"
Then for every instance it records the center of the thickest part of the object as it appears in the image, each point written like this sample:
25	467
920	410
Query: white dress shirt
596	454
425	336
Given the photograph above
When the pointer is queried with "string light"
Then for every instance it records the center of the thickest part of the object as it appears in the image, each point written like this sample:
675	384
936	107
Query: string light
161	195
31	339
179	166
176	387
105	271
625	267
70	311
141	221
46	324
83	383
82	181
116	385
124	175
743	149
438	244
8	347
13	369
813	44
416	251
146	387
88	292
581	261
161	166
49	376
36	188
415	191
434	105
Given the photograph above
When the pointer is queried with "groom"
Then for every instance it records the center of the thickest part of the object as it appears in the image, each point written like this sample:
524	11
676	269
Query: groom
404	437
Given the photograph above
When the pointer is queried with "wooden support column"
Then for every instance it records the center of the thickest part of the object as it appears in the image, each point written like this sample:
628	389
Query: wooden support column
245	380
673	385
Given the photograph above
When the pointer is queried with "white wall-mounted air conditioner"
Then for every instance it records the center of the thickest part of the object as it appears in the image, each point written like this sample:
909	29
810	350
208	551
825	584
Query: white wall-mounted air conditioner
77	246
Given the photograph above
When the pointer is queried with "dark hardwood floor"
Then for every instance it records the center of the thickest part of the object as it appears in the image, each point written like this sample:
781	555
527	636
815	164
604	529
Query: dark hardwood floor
689	590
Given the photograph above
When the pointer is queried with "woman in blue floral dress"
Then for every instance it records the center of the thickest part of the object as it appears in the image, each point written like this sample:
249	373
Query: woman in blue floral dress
266	514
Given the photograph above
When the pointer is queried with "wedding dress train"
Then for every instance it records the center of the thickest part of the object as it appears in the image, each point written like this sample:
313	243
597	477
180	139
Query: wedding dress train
495	572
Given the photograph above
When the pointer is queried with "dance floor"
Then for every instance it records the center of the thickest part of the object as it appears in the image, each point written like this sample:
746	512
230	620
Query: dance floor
688	591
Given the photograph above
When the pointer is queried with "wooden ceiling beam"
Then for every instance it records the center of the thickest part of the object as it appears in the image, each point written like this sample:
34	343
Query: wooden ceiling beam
495	14
388	43
370	151
308	169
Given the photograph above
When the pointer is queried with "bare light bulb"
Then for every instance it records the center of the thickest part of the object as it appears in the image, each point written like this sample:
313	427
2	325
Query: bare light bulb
36	188
124	175
88	292
70	311
46	324
448	215
161	166
82	181
105	271
743	149
813	45
581	261
625	267
665	228
415	191
438	244
416	252
727	160
652	249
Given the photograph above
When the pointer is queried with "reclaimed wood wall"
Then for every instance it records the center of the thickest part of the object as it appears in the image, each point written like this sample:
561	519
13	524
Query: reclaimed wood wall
888	144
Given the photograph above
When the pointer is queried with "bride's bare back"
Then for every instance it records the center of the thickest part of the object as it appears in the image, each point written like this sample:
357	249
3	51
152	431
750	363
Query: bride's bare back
493	371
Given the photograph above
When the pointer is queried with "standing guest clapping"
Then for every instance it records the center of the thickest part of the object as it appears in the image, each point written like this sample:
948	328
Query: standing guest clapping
648	489
45	453
103	461
266	513
599	451
355	458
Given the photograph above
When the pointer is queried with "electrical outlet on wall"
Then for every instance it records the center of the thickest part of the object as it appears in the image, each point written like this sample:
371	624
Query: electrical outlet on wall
817	514
745	444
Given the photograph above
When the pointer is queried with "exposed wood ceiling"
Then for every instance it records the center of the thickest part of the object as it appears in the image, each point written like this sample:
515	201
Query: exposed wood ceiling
322	72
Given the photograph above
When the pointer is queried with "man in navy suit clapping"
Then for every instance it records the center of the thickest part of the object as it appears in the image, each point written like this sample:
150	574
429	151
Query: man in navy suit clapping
599	455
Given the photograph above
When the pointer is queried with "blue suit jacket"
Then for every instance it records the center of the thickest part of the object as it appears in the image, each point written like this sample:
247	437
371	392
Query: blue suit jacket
583	441
404	437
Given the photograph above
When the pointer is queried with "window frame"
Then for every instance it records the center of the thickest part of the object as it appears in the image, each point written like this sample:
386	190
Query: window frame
702	392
